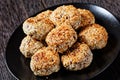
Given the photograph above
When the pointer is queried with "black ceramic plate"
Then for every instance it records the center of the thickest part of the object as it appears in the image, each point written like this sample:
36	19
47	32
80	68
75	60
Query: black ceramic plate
19	66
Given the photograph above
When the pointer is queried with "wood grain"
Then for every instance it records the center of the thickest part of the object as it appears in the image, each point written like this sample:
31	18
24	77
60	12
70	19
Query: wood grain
14	12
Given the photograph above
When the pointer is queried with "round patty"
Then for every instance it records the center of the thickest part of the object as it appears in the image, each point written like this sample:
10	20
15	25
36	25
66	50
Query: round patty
95	36
45	62
79	57
61	38
44	14
29	46
87	17
37	28
66	14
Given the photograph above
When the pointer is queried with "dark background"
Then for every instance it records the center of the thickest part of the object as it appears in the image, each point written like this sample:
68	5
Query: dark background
14	12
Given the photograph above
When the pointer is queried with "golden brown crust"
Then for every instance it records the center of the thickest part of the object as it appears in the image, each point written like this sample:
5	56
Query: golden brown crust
78	57
61	37
66	14
44	14
37	29
45	61
95	36
29	46
87	17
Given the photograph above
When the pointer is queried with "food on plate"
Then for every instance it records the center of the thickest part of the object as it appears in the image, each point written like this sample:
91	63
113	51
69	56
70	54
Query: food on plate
45	62
78	57
44	14
87	17
65	35
95	36
29	46
37	29
61	37
66	14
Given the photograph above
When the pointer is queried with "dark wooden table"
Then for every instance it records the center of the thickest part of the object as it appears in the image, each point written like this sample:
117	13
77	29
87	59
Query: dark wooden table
14	12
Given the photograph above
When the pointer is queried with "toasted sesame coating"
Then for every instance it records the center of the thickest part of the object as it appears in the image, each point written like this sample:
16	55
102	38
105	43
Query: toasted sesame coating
87	17
37	29
29	46
95	36
66	14
44	14
61	38
79	57
45	62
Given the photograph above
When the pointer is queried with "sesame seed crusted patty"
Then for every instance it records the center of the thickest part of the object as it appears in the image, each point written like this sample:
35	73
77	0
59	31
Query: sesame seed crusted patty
87	17
61	37
66	14
79	57
37	29
29	46
45	61
95	36
44	14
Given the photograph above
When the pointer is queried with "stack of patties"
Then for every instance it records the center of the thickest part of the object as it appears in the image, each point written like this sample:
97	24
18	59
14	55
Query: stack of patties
66	31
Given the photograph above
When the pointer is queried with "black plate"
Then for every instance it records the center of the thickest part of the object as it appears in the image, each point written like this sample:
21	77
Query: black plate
19	66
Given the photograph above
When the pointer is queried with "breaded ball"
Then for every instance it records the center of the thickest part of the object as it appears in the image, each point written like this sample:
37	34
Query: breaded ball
44	14
37	29
61	38
29	46
95	36
45	62
66	14
87	17
79	57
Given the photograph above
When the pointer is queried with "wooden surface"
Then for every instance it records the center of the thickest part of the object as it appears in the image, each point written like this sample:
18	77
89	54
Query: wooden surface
14	12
